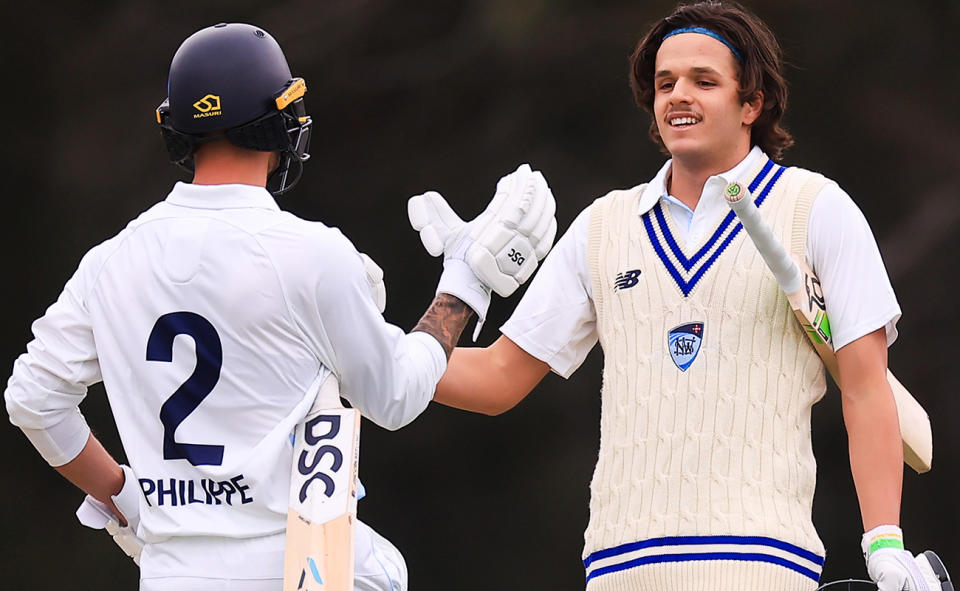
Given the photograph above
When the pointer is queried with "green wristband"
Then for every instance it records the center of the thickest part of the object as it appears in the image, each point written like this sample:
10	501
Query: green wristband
886	543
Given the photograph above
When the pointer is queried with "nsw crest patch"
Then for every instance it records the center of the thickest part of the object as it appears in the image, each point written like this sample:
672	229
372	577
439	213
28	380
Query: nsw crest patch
684	343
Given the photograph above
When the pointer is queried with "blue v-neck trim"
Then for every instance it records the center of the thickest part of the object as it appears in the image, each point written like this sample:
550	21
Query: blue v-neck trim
723	234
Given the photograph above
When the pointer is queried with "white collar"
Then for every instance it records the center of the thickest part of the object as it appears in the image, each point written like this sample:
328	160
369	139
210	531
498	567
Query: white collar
657	188
229	196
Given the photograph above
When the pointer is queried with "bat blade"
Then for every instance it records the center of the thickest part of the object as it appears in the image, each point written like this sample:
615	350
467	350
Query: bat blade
914	427
805	295
322	557
319	554
810	308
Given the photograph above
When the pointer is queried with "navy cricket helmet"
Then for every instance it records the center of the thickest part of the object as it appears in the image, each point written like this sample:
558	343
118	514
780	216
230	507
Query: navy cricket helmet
232	81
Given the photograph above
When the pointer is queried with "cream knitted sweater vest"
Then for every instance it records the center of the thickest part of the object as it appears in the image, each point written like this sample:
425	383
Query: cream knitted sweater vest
705	476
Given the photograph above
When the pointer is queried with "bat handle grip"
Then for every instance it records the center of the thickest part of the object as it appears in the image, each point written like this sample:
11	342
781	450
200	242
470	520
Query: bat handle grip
784	268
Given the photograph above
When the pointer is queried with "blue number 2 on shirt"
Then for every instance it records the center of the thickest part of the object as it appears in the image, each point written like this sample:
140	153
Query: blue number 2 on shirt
191	393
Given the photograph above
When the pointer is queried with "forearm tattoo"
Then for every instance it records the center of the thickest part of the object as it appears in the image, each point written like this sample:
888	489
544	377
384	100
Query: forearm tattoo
445	320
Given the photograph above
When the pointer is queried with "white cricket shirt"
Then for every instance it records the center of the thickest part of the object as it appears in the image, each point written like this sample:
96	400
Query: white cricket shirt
555	320
212	318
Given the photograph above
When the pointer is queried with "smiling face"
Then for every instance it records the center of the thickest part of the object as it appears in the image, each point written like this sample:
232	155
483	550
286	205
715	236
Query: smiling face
697	106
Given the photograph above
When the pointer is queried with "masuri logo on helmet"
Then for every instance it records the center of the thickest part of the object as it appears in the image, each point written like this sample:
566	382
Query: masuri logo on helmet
209	106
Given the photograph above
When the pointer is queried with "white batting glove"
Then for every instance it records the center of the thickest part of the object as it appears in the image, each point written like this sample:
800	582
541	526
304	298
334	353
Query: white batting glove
375	277
499	249
94	514
891	567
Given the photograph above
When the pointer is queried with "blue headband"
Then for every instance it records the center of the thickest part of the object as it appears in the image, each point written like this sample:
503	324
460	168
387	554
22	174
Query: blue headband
708	33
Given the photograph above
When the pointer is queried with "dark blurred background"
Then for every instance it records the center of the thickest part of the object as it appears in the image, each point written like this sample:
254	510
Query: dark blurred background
450	95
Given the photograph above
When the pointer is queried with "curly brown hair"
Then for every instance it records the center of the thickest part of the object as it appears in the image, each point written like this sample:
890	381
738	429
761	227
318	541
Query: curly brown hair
761	68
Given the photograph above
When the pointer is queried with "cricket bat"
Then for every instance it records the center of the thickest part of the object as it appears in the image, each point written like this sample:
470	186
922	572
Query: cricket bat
805	295
323	496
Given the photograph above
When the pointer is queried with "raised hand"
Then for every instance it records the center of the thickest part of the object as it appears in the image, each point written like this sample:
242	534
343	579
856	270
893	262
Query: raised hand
499	249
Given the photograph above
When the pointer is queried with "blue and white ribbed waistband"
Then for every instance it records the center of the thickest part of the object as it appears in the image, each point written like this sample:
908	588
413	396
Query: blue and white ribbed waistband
696	548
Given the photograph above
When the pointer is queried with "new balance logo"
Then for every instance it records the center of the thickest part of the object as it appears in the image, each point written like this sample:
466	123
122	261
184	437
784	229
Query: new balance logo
626	280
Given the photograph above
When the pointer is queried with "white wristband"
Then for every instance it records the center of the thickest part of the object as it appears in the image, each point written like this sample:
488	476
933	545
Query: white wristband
882	536
459	281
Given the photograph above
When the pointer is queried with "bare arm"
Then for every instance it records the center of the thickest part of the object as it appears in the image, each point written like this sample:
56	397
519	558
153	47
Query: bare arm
489	380
445	320
96	473
870	414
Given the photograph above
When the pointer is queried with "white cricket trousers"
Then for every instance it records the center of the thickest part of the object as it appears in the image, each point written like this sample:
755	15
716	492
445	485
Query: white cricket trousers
379	566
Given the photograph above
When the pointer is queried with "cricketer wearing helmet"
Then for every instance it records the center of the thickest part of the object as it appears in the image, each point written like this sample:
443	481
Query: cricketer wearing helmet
214	317
705	473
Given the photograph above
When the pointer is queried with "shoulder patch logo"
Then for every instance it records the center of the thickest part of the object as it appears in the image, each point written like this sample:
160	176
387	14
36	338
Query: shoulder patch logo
626	279
684	343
